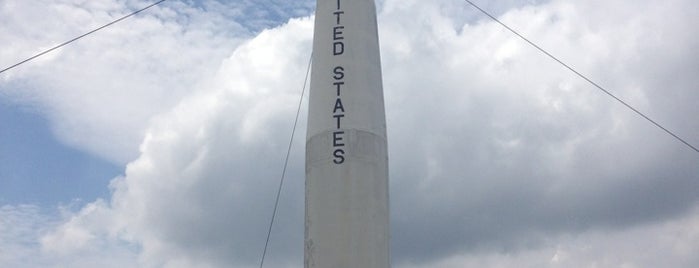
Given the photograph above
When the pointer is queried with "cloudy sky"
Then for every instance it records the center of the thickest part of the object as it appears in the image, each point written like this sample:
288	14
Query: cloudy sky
159	142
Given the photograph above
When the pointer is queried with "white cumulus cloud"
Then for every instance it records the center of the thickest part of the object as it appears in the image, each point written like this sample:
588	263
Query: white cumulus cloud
499	157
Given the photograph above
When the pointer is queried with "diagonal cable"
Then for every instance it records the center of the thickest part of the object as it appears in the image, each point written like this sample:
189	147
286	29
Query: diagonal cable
585	78
79	37
286	163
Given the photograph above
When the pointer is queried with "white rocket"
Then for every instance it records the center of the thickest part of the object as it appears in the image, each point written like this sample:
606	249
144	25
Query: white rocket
347	212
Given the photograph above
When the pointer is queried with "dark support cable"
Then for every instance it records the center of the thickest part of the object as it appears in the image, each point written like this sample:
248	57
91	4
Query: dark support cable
585	78
286	163
79	37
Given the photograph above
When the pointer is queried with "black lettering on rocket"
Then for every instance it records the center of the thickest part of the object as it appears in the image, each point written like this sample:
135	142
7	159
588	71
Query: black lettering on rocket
338	75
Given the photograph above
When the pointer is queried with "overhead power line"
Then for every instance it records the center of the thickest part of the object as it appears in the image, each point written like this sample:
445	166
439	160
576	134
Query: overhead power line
286	162
79	37
585	78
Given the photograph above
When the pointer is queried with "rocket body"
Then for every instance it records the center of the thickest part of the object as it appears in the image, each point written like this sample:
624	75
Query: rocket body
347	210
